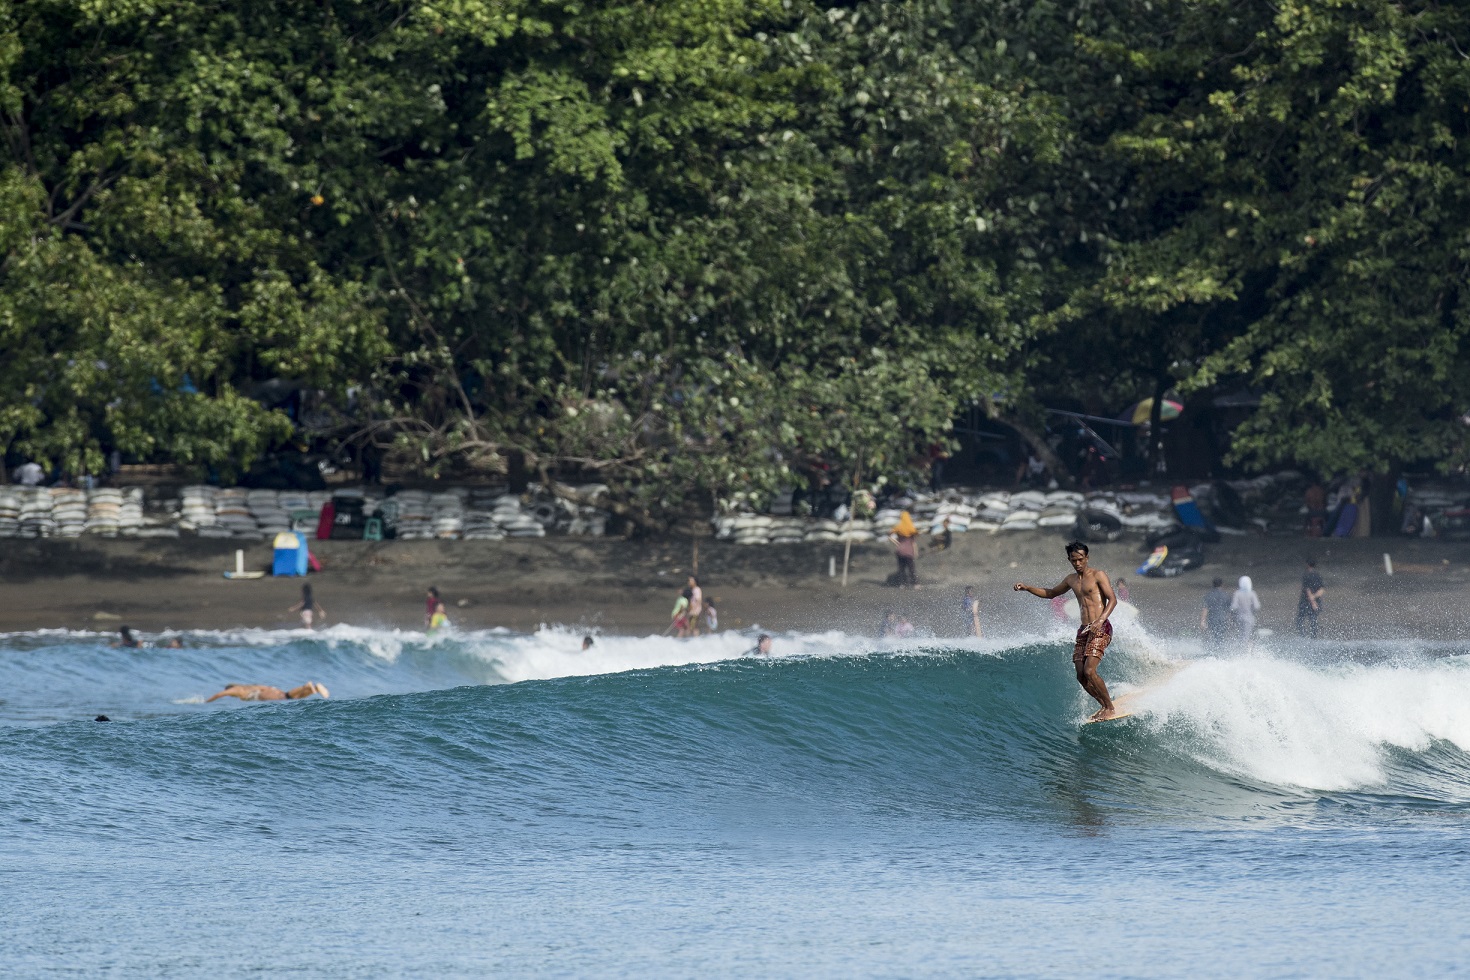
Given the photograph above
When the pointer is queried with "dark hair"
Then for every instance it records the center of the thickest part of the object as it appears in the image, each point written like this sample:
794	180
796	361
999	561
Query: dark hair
1219	582
688	593
762	638
434	591
1075	546
586	642
1311	563
694	579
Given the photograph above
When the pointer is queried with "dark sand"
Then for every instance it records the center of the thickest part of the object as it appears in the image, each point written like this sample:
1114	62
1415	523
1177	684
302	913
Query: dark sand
629	587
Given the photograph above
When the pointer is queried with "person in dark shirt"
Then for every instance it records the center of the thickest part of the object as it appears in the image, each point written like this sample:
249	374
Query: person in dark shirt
1214	618
1309	604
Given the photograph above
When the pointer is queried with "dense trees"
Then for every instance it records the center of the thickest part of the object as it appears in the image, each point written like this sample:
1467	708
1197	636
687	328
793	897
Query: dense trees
699	247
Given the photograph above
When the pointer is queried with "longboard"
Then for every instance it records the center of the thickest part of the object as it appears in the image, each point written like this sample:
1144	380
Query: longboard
1094	721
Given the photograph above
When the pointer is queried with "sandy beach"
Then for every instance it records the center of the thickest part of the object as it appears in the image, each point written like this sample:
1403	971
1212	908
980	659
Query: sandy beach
625	587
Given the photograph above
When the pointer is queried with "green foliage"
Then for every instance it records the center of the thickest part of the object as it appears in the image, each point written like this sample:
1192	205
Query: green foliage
701	248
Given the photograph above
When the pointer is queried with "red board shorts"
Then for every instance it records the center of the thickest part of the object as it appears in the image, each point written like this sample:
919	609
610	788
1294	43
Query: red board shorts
1091	644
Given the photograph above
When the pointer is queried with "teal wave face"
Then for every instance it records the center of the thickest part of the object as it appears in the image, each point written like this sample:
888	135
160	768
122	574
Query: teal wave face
793	743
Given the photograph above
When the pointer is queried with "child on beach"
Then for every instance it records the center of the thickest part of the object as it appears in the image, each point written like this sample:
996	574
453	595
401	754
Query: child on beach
439	618
308	607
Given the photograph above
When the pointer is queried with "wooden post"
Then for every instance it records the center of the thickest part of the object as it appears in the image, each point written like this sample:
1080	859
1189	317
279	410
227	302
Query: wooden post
857	474
696	557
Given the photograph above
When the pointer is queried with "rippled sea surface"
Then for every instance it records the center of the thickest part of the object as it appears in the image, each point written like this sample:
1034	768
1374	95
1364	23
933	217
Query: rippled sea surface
506	803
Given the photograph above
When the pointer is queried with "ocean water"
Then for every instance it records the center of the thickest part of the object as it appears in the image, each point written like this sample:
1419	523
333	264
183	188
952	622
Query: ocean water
502	803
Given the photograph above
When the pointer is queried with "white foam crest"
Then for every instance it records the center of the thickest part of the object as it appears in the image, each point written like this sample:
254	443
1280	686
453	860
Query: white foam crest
1309	727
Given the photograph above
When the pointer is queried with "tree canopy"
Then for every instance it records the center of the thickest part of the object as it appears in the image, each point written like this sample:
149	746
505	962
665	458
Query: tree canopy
702	248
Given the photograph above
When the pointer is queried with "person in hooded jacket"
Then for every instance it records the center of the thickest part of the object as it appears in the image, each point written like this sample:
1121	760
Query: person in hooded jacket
1243	606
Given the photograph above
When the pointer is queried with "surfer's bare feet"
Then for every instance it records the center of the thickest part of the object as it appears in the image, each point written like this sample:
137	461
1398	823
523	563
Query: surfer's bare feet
1103	714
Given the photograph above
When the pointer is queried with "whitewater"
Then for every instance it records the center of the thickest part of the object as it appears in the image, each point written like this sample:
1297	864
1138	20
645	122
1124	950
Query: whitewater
505	802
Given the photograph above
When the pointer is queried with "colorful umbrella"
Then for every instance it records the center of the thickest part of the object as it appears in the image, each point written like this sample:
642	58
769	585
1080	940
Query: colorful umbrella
1144	410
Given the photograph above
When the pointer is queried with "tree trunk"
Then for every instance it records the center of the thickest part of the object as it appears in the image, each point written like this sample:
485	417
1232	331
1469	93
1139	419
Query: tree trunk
1157	465
1053	462
1381	491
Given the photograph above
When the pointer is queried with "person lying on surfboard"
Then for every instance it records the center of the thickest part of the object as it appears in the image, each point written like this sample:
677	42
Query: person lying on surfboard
264	692
1096	602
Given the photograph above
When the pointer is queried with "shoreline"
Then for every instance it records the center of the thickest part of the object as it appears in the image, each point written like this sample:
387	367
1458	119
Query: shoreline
628	587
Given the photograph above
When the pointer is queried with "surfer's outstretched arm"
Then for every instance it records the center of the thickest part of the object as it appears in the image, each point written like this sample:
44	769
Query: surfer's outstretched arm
1050	593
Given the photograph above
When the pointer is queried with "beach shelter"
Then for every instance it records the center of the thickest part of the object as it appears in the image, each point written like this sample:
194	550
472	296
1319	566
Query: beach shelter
291	555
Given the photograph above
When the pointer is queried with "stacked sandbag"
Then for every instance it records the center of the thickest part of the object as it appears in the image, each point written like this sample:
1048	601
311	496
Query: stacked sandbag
1059	512
784	530
130	514
958	510
1145	512
69	511
479	515
517	522
823	530
196	508
232	514
104	508
410	514
35	513
10	504
751	529
270	516
886	518
447	514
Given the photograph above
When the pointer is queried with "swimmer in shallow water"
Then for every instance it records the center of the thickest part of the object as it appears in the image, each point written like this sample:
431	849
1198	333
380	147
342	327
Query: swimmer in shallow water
264	692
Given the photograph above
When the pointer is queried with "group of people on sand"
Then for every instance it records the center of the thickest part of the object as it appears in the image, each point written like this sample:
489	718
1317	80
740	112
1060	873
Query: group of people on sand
693	614
1222	611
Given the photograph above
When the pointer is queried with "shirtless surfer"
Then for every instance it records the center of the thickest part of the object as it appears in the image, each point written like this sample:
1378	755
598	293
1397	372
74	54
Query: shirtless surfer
264	692
1096	602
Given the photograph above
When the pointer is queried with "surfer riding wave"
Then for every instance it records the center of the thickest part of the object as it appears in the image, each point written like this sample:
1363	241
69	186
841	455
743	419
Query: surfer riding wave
1096	602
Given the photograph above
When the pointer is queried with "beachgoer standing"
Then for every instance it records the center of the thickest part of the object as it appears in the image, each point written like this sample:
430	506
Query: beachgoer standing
1122	588
696	607
1214	617
679	618
905	538
886	624
439	619
711	617
431	603
1309	604
970	611
1095	602
1243	606
308	607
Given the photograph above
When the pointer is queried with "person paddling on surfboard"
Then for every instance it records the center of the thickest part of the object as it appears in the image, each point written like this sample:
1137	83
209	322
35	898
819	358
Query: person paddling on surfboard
1096	602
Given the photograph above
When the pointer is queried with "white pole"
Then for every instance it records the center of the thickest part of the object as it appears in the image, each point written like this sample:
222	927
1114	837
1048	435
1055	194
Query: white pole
831	566
239	561
1387	564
